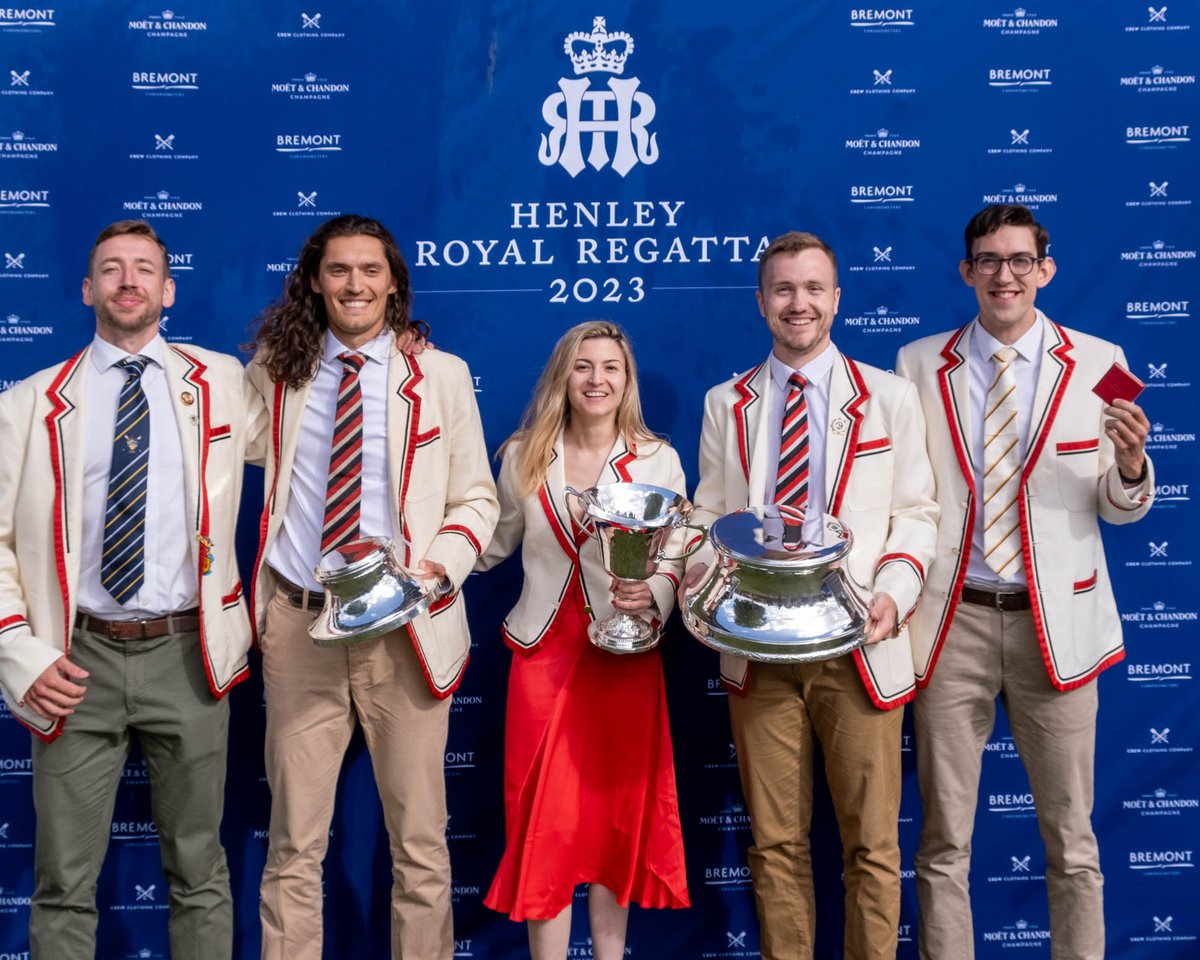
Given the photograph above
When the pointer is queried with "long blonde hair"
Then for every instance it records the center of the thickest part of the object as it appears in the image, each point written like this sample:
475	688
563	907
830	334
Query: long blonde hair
549	410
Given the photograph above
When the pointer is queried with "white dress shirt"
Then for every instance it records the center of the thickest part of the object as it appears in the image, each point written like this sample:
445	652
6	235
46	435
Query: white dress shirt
169	583
982	370
818	373
297	549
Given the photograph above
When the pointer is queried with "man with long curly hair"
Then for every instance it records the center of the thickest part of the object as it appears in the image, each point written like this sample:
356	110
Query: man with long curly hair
365	441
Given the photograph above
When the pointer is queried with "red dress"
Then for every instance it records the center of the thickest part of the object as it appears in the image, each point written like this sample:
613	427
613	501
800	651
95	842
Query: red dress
589	776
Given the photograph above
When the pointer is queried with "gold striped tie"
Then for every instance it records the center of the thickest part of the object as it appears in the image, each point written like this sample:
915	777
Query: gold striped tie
1002	470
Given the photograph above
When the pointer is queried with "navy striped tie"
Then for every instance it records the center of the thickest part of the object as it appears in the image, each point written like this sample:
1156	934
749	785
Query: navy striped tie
122	565
791	484
343	496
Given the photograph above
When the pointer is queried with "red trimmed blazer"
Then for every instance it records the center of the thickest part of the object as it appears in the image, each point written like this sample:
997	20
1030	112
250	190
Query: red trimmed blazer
42	426
1069	481
878	482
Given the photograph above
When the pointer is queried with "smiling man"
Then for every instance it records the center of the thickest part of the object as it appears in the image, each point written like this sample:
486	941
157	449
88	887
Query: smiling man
121	610
808	412
365	441
1018	604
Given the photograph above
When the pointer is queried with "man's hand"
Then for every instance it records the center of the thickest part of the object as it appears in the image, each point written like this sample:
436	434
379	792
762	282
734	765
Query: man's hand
53	695
428	570
881	618
1127	428
690	579
412	343
631	596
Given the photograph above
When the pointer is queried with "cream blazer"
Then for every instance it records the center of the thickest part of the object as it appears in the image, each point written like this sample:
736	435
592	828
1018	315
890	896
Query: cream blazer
540	524
442	487
1069	481
42	433
878	482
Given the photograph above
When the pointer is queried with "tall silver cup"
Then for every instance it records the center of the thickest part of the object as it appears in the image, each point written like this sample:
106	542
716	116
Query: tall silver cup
631	523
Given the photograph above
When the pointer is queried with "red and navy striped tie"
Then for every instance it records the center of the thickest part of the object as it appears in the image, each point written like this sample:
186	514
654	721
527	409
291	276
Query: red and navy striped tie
791	485
343	496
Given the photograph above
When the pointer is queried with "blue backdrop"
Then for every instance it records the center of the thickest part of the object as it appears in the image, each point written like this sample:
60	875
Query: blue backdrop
528	196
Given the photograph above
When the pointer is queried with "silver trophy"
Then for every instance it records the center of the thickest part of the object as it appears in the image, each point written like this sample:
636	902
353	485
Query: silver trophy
771	594
368	593
632	521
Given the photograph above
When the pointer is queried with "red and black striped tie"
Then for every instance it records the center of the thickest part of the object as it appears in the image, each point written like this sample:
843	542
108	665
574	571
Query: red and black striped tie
343	497
791	485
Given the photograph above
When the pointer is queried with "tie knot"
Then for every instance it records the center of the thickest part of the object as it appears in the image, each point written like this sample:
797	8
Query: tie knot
1005	355
796	381
353	362
134	366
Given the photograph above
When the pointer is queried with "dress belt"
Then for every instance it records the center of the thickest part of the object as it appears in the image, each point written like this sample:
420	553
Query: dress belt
1010	601
185	621
299	597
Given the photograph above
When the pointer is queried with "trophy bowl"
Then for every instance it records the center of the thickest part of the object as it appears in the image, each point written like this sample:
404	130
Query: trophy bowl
631	522
770	595
368	593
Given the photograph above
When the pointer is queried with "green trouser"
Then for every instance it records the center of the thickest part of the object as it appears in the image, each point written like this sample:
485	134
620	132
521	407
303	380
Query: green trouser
158	690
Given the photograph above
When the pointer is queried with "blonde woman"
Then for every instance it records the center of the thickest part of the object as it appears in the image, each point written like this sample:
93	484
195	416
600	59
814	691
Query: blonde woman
589	779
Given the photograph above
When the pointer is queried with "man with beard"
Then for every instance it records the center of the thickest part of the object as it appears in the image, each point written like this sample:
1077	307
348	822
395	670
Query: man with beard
121	610
365	440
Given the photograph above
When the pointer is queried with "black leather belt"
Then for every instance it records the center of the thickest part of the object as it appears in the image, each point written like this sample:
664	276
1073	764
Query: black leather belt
185	621
299	597
1009	601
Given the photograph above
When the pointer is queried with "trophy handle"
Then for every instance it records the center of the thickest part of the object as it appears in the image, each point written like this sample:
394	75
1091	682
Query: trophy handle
696	546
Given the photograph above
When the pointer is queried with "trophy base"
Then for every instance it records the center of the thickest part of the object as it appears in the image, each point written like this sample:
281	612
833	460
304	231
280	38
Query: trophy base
622	634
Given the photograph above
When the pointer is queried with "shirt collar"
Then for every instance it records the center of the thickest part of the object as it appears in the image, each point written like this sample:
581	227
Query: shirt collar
983	344
815	371
379	349
105	354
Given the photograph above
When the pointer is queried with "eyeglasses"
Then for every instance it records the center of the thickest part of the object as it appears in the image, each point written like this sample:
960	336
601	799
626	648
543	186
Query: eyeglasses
989	266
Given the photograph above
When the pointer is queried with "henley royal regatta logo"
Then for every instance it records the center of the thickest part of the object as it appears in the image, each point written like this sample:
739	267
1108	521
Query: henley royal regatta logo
603	53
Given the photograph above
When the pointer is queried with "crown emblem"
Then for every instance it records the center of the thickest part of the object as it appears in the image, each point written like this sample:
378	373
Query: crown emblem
882	132
1158	245
1157	427
1021	924
163	195
1018	188
1019	12
168	14
1159	792
13	318
881	311
18	135
310	77
1156	70
1159	606
598	51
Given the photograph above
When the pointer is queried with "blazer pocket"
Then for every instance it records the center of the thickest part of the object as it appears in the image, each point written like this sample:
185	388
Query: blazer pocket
1077	465
222	432
870	485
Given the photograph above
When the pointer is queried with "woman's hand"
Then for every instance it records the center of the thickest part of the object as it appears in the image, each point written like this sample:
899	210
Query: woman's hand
631	596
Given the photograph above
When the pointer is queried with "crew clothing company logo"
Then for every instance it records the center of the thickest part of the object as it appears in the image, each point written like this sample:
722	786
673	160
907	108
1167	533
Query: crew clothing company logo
1020	79
1157	79
602	54
16	268
1019	22
1163	863
23	83
883	143
1158	739
1166	136
1164	929
1158	376
884	258
310	26
1160	615
1018	868
306	204
311	86
141	897
1018	141
1159	193
163	205
19	145
881	19
1157	312
1158	19
1157	253
1160	802
882	319
26	20
884	82
1022	193
163	146
170	24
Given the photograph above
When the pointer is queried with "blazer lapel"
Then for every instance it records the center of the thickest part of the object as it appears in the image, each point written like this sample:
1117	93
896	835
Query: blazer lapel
1053	376
750	419
847	393
955	383
65	426
404	430
190	399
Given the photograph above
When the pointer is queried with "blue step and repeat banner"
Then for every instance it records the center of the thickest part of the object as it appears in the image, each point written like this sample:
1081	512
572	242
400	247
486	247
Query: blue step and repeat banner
532	187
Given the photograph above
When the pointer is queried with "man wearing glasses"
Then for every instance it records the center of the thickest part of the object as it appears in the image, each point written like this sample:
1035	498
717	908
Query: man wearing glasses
1017	602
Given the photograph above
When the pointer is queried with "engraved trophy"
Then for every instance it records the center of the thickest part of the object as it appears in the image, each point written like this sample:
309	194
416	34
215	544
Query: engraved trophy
632	522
